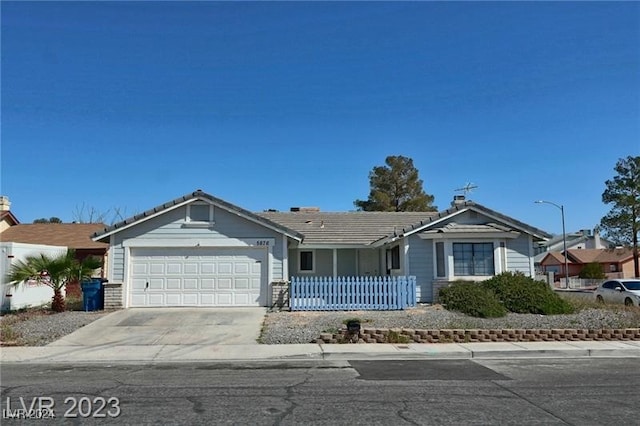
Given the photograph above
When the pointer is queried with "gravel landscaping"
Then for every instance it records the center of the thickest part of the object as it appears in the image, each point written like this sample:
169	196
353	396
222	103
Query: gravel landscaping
39	327
306	327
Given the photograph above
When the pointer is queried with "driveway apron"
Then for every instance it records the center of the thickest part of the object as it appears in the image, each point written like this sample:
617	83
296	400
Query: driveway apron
171	326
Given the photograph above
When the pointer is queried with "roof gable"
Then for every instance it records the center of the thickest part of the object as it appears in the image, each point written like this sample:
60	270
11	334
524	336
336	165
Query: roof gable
585	256
186	199
470	205
71	235
9	217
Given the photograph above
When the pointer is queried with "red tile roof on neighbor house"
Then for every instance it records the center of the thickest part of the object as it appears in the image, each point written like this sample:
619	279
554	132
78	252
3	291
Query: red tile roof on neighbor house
71	235
7	215
585	256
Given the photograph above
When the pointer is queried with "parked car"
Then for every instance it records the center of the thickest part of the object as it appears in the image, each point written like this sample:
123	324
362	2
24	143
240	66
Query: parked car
625	291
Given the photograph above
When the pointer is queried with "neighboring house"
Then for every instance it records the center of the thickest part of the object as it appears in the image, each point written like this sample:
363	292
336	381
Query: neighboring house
75	236
616	263
199	250
7	219
26	294
583	239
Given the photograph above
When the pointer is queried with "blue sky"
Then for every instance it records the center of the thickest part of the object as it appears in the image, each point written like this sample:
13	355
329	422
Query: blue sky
271	105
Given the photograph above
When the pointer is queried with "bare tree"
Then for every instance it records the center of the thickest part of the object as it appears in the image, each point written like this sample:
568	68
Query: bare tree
90	214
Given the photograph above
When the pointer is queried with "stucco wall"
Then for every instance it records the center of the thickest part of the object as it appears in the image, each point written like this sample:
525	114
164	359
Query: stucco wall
25	294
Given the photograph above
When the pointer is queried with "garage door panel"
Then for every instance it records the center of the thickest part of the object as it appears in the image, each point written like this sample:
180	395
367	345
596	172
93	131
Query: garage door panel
207	267
139	300
174	268
225	283
197	277
207	299
155	284
190	283
224	299
191	268
156	299
207	283
255	283
225	267
191	299
241	283
172	299
138	283
241	268
157	269
174	283
140	269
242	299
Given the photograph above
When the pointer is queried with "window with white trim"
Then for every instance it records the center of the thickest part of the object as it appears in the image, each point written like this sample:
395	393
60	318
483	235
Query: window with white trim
471	259
199	214
306	261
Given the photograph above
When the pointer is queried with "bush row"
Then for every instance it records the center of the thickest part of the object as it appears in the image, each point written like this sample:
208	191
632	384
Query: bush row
507	292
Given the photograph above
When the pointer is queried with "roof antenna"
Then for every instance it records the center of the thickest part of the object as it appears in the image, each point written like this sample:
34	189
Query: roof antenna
467	188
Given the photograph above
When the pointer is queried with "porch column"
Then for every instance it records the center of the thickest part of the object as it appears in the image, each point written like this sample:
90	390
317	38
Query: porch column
405	257
335	263
285	258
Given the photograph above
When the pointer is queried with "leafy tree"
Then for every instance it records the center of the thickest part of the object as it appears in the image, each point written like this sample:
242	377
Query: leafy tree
622	223
593	271
53	271
396	187
50	220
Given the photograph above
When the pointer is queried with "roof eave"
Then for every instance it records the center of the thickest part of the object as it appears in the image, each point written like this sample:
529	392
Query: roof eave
187	199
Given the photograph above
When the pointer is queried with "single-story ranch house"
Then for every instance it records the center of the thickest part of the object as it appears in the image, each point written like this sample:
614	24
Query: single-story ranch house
199	250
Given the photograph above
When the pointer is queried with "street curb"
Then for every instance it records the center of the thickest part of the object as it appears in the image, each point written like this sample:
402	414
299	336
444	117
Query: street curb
166	354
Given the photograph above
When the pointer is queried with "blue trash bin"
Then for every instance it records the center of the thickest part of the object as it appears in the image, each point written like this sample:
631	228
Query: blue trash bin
92	295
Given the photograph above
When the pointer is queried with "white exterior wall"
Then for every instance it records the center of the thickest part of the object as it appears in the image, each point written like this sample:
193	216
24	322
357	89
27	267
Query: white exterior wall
24	295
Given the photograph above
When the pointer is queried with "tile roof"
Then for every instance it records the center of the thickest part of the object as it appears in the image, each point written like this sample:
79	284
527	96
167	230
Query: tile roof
72	235
615	255
585	256
8	215
198	194
346	227
369	227
315	227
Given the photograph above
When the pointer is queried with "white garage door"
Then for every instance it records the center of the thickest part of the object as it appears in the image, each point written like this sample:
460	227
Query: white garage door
198	277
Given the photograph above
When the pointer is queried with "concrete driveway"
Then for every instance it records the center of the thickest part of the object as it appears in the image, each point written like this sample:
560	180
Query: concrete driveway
170	326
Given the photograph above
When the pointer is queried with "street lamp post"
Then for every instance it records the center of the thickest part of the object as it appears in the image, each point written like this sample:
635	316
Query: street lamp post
564	240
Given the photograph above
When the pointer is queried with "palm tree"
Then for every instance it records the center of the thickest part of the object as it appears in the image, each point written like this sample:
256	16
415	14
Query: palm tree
53	271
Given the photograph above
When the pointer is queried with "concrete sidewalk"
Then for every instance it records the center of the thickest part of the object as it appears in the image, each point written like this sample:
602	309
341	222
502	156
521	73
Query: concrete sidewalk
212	353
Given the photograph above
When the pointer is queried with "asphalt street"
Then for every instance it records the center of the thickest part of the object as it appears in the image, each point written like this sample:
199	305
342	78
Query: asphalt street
593	391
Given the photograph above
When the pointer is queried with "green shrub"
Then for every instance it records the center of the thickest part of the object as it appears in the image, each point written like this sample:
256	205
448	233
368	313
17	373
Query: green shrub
592	270
524	295
472	299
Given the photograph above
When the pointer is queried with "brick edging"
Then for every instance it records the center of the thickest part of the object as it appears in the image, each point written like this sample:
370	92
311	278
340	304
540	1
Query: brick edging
400	335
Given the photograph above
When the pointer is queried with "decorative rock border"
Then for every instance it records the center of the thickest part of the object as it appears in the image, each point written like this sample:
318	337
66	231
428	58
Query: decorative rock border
398	335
